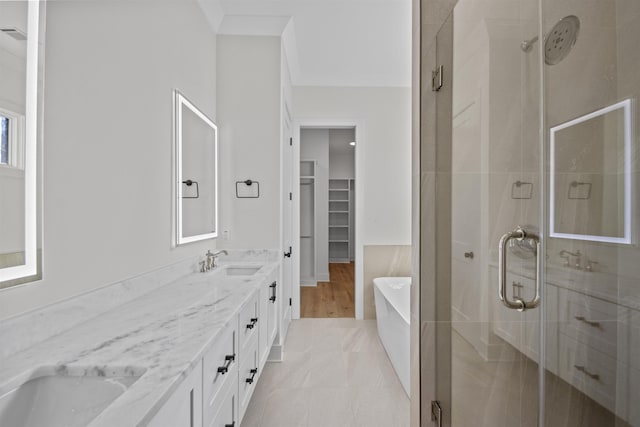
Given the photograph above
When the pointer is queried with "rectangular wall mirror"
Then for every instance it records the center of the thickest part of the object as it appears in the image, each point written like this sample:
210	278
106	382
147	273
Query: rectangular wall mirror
196	173
591	176
20	97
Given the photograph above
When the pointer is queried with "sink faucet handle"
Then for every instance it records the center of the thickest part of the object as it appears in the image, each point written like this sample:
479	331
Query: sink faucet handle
578	264
589	266
202	267
211	260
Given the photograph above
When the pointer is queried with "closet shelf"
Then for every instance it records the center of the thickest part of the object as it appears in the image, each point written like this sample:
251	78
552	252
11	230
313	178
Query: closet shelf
338	226
338	241
346	212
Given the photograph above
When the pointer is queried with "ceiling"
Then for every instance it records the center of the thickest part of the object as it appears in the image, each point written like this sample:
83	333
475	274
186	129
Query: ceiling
328	42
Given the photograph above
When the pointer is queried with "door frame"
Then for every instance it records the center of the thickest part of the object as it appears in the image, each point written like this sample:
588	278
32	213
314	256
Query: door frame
329	123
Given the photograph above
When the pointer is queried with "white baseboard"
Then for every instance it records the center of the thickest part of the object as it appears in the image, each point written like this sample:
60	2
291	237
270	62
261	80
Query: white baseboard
323	277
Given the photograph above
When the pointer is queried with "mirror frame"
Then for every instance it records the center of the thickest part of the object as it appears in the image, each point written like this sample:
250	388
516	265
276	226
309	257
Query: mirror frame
30	267
626	106
181	101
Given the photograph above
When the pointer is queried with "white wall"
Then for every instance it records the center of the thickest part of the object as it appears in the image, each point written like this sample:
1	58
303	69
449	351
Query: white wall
385	146
314	145
249	106
110	71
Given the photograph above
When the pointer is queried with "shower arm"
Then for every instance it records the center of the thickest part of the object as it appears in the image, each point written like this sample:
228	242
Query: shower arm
527	45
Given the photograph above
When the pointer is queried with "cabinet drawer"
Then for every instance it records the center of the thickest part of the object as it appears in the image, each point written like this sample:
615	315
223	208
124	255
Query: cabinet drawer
248	374
249	322
591	321
226	407
593	372
220	366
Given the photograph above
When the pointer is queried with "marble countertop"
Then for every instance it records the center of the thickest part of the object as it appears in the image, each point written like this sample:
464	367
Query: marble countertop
164	332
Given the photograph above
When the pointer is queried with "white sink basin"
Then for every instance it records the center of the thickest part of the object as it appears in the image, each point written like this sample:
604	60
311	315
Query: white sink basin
242	270
60	396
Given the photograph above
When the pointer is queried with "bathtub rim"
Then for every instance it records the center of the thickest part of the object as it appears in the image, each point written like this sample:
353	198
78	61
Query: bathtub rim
380	282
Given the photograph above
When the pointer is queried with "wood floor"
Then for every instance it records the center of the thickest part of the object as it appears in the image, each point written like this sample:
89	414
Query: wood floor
330	299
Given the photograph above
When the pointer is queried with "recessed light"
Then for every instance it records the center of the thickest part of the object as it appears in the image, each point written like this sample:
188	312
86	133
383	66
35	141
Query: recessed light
352	143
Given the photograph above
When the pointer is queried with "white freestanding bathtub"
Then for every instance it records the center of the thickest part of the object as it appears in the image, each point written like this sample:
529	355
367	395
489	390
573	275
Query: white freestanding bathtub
392	296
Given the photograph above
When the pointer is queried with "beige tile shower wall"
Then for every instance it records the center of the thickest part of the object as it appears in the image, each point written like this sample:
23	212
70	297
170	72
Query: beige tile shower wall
605	60
383	261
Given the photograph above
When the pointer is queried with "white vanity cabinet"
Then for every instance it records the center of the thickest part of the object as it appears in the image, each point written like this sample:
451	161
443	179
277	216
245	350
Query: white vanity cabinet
592	342
268	328
594	345
250	370
184	407
226	414
249	321
219	376
218	391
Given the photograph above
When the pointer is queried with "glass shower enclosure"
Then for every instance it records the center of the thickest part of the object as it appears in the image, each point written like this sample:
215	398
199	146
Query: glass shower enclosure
536	311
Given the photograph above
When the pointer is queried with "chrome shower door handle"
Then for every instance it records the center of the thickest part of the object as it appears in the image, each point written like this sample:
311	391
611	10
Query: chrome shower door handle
518	303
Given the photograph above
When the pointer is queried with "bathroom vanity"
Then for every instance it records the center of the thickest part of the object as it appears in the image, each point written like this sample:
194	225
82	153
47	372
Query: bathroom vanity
592	343
186	351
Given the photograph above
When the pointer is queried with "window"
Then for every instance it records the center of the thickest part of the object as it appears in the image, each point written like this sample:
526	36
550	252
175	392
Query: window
11	139
4	140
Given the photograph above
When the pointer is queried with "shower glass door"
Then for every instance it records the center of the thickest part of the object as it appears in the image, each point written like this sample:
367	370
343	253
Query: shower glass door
496	188
544	265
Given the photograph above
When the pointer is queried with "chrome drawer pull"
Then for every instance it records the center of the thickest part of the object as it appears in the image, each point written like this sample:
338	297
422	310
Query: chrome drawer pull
586	372
588	322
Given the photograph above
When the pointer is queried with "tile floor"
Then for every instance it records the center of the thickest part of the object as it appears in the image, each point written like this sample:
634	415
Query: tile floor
335	373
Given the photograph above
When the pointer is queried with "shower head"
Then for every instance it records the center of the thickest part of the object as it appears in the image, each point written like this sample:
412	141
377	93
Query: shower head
559	41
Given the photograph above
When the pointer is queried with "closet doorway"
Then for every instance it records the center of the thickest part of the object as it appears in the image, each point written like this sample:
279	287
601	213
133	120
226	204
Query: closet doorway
327	222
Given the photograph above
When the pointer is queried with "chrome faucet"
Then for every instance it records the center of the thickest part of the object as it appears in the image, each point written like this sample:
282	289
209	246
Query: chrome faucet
566	255
210	263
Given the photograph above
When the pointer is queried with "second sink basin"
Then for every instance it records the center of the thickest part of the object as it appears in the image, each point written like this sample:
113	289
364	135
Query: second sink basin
55	396
242	270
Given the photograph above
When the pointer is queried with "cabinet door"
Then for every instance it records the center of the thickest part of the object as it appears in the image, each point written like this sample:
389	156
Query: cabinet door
264	344
272	312
184	407
249	321
220	370
227	415
248	375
